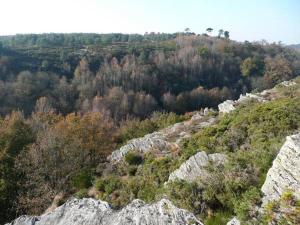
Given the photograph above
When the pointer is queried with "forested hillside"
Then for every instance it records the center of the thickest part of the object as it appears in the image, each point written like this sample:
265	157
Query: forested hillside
134	75
67	101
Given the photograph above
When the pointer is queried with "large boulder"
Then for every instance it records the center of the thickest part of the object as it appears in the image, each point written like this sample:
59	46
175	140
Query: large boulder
285	172
196	166
150	142
226	106
89	211
249	96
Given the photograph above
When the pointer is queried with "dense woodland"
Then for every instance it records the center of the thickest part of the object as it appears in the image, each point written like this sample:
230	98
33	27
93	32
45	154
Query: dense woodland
134	75
68	100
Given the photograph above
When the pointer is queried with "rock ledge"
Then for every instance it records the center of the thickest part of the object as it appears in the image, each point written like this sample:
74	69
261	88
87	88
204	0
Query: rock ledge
89	211
285	172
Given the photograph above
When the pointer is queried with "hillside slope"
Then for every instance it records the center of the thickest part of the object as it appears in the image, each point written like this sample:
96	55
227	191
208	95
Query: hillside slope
248	137
135	75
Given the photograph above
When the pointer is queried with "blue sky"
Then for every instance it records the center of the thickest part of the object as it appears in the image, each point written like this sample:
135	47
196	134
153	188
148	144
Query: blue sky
273	20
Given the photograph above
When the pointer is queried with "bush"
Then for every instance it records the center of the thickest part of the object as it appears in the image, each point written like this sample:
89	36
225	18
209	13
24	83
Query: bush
245	206
100	184
133	158
135	128
132	170
162	119
218	218
108	184
82	180
285	210
186	195
83	193
147	192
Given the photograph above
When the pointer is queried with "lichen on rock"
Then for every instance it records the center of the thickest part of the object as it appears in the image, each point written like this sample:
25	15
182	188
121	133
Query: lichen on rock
196	166
89	211
285	172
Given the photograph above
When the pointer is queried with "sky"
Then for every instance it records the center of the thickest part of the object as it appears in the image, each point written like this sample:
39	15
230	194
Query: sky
252	20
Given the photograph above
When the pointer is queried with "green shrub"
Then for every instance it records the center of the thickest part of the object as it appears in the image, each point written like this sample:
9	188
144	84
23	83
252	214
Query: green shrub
245	206
147	192
132	170
135	128
83	193
285	210
133	158
113	183
218	218
100	184
82	180
162	119
108	184
186	195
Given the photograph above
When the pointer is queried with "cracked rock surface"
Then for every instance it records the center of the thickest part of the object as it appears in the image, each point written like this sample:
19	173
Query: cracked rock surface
196	166
89	211
285	172
164	140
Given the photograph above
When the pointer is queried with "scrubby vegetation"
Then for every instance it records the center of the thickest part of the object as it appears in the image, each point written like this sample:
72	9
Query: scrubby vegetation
286	210
251	137
49	153
67	101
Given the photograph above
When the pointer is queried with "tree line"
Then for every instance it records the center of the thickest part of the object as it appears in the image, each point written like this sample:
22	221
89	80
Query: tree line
178	75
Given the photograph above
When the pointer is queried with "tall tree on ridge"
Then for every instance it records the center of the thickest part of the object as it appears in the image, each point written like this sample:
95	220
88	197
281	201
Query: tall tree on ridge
221	32
209	30
226	34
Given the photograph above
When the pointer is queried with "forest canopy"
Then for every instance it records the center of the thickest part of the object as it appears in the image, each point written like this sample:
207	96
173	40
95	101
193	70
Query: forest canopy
135	75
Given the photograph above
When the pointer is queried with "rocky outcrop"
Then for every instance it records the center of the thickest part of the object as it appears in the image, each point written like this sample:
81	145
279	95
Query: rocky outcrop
248	96
164	140
285	172
92	212
196	166
226	106
234	221
264	96
288	83
230	105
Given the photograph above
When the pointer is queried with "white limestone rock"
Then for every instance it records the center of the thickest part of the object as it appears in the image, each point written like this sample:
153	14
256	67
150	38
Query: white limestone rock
288	83
249	96
25	220
234	221
196	166
92	212
153	141
226	106
285	171
164	140
230	105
